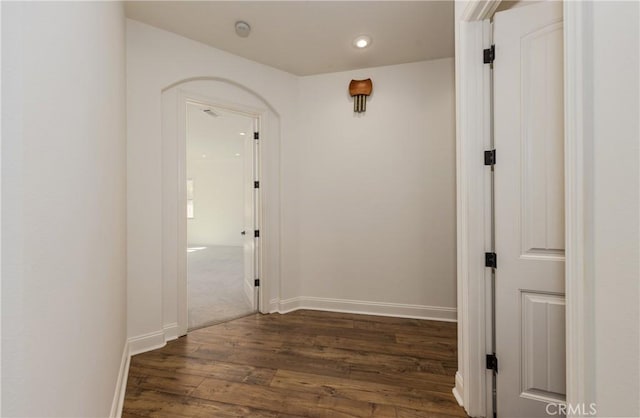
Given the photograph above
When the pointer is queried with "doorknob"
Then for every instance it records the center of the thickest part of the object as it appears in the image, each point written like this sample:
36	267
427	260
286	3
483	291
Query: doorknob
243	233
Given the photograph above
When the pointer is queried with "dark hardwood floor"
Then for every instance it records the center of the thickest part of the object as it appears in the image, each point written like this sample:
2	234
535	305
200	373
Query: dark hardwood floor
302	364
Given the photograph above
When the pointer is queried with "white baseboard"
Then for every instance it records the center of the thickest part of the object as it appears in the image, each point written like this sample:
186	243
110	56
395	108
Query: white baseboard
153	340
274	305
171	331
146	342
458	390
435	313
121	383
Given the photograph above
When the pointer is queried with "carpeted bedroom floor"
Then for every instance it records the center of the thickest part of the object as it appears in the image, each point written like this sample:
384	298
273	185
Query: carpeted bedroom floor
215	293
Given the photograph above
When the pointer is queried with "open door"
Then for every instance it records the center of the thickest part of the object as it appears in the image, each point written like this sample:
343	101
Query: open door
250	232
529	209
221	206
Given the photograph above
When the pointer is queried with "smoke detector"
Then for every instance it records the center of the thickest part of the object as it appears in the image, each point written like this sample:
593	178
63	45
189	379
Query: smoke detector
242	29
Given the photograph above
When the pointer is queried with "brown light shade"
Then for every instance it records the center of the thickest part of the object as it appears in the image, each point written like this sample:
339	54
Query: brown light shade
360	87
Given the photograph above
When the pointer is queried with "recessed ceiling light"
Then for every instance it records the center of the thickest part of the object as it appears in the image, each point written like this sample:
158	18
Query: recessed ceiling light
204	155
362	41
242	133
237	155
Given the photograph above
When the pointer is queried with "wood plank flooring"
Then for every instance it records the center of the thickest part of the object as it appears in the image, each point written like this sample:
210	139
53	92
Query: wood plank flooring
302	364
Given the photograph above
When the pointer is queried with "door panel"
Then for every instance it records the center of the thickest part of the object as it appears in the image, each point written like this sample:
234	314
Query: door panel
542	151
249	216
529	209
543	339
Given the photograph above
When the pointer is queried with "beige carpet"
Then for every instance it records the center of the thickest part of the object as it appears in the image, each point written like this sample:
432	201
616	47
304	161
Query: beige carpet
215	275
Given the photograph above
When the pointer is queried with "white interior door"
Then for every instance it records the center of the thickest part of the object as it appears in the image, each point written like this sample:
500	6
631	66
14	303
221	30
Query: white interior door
529	209
249	242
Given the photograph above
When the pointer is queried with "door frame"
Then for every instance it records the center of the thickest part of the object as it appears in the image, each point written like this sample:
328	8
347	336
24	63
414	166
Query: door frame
473	124
258	115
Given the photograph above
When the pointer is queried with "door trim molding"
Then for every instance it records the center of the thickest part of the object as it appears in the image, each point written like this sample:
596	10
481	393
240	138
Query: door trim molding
479	10
578	67
473	120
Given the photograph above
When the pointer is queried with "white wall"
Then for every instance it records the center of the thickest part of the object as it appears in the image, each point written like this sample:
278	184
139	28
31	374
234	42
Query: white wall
218	202
63	202
377	212
613	207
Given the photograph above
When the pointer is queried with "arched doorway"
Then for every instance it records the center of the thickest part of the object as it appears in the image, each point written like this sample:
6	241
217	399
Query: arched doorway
237	102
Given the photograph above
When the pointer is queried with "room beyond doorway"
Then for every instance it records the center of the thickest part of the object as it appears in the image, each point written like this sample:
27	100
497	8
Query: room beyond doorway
220	173
215	285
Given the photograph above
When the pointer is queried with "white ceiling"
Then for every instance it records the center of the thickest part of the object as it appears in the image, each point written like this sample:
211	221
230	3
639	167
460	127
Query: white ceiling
216	138
311	37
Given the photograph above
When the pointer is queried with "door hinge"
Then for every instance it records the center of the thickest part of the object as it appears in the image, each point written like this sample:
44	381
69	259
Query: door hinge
256	233
491	260
256	184
490	157
256	135
489	55
492	362
256	282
